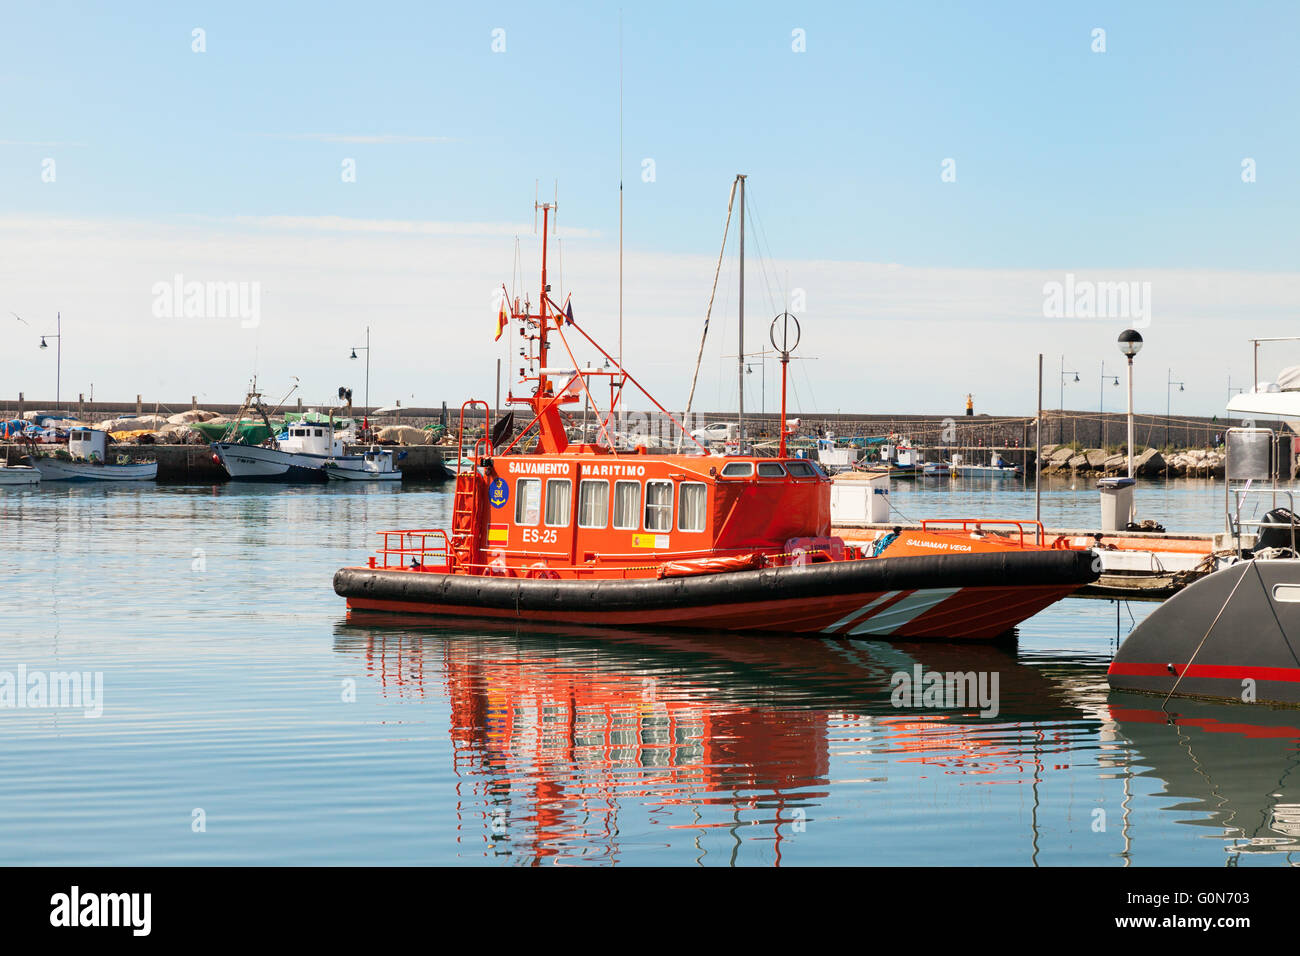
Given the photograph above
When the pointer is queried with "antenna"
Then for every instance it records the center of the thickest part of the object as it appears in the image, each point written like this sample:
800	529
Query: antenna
537	183
555	211
620	187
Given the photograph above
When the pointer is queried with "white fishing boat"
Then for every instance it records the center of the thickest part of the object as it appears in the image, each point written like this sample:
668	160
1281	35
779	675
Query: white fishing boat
86	461
300	456
375	465
18	474
835	458
998	467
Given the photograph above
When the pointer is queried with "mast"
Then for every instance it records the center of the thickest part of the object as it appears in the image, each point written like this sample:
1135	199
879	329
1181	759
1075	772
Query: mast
740	352
620	188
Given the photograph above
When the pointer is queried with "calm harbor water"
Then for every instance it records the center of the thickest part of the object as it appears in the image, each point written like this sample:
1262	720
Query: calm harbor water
246	719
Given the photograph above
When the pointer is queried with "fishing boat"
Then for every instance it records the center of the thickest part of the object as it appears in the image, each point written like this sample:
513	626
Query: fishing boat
998	467
18	474
297	454
85	461
376	465
547	530
936	469
1234	633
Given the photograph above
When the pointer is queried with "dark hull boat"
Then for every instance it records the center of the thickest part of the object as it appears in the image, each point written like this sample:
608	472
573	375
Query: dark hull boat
1233	635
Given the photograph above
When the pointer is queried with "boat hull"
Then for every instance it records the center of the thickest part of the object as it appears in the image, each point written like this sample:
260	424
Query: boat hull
985	471
19	475
1250	650
336	473
257	463
975	597
55	469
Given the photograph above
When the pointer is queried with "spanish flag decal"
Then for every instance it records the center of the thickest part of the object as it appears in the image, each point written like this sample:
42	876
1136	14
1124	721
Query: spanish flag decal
498	533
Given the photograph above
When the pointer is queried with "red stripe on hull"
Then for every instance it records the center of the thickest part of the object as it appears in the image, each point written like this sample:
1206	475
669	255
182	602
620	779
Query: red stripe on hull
970	613
1214	671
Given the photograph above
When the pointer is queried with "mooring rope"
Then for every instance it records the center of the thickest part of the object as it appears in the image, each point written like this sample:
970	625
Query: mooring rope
1188	666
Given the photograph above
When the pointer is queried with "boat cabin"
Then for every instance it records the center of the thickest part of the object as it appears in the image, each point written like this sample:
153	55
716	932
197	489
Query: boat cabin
87	444
600	514
312	438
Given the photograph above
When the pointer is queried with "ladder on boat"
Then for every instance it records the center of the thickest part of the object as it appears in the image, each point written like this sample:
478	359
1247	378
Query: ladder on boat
467	509
465	520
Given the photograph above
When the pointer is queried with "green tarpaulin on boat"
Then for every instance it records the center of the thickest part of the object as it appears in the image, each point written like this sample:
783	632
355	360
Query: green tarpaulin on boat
251	432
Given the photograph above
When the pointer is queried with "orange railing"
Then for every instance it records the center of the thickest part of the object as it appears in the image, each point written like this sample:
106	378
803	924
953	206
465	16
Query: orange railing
412	550
977	524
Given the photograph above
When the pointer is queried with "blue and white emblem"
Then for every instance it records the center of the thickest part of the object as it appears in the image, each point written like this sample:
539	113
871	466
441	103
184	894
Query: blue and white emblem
498	493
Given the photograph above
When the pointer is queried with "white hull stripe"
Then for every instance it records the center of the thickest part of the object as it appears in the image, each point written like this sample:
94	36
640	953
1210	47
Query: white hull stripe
854	615
913	606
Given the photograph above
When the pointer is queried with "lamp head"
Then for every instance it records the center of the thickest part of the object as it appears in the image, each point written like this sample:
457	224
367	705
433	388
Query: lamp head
43	345
354	353
1130	342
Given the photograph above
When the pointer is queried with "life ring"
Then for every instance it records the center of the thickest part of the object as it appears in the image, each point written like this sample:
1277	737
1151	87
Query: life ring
540	570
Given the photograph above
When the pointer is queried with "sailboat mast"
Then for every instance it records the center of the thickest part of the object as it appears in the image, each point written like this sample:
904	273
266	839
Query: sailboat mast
740	352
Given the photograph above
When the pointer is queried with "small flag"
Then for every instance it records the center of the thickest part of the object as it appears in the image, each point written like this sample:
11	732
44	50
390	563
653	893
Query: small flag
568	311
503	317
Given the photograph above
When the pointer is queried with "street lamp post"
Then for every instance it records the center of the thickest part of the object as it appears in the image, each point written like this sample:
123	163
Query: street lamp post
58	362
1060	428
365	348
1130	343
1169	389
1101	400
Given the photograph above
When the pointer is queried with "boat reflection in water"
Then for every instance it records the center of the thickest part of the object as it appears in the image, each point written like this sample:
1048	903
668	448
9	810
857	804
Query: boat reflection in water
1230	768
727	743
661	747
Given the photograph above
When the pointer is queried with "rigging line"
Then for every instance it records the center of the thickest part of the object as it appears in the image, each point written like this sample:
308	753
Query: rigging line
763	243
709	312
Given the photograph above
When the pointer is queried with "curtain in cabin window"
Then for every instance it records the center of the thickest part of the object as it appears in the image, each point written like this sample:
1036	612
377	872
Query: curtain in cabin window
559	492
627	504
528	500
593	504
690	509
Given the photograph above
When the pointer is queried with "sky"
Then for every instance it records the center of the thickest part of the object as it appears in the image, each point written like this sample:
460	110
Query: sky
919	177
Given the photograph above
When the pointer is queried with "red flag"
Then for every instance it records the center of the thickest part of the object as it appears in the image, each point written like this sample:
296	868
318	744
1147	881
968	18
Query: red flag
503	319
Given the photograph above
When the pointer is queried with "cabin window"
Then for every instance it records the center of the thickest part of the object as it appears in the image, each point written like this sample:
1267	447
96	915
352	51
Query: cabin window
738	469
770	469
528	500
559	494
627	505
659	506
691	506
319	433
801	469
593	503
